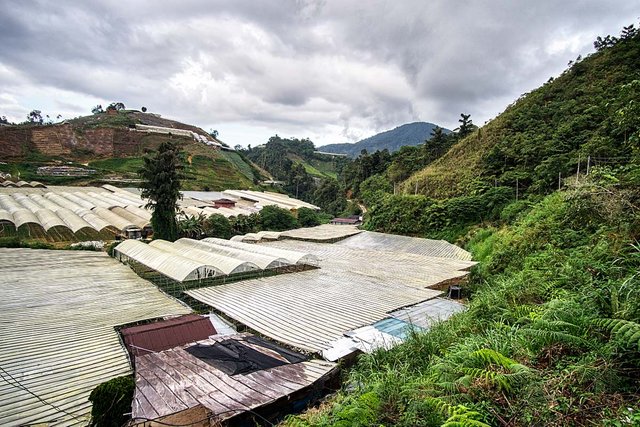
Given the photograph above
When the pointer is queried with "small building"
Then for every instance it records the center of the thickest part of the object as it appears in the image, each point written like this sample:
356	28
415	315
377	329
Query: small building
163	335
222	378
224	203
352	220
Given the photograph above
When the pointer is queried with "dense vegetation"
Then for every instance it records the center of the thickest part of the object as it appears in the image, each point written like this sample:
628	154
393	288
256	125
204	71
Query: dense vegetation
305	174
535	347
110	401
551	336
270	218
407	135
588	115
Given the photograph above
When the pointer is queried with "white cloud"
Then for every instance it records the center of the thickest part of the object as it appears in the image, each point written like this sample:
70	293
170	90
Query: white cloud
334	71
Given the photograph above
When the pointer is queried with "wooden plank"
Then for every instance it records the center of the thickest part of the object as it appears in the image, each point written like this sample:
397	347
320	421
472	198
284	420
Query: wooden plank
217	380
170	400
172	378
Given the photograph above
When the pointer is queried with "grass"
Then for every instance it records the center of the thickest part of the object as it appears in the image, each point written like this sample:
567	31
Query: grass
126	165
530	350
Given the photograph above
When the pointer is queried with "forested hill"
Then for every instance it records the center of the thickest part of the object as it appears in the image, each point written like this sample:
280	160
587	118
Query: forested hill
590	111
105	142
410	134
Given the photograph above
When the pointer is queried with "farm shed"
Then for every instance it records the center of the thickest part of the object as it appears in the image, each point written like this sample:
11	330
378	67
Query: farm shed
165	334
311	309
57	319
221	378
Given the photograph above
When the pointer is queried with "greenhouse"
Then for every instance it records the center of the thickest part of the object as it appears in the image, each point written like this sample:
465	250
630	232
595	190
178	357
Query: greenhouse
358	284
264	262
189	264
172	265
226	265
293	257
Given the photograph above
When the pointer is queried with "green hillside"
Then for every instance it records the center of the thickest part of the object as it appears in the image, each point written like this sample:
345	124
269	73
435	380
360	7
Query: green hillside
584	113
279	155
551	336
207	167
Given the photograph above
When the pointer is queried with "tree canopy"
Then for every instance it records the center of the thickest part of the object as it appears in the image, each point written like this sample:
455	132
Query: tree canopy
161	176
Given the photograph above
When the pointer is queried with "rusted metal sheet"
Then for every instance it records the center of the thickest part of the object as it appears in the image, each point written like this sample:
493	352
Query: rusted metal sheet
173	382
166	334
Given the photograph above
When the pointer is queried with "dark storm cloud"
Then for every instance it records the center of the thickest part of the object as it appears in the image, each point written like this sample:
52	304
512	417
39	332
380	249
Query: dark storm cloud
332	69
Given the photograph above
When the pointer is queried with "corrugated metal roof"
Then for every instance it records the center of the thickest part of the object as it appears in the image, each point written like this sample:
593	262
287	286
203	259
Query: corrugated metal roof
413	245
173	381
166	334
352	288
57	317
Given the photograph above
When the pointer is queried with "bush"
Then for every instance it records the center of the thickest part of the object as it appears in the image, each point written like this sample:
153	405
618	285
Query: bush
308	217
111	248
218	226
512	211
111	400
16	242
243	224
273	218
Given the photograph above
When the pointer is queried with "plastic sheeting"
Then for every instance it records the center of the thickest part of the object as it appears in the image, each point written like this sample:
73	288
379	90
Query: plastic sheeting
225	264
293	257
264	262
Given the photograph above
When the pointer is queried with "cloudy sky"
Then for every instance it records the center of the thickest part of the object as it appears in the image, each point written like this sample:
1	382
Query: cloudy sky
330	70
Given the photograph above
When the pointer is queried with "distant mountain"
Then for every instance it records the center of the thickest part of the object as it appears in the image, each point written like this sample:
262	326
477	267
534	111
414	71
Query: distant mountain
408	134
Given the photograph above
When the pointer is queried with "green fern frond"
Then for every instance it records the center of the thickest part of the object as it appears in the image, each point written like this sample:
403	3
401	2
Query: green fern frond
441	406
464	422
489	356
501	381
546	336
625	330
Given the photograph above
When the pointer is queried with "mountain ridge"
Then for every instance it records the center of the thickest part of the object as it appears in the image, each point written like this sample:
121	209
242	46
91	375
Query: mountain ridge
408	134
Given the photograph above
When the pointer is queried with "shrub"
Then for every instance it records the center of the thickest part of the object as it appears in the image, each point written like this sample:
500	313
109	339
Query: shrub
308	217
111	400
273	218
218	226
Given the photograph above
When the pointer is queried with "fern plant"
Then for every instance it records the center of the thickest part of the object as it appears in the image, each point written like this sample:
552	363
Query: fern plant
625	331
458	415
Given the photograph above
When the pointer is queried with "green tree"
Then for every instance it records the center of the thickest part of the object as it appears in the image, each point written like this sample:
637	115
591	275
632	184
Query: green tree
466	125
161	176
116	106
191	226
218	225
273	218
308	217
35	116
243	224
330	197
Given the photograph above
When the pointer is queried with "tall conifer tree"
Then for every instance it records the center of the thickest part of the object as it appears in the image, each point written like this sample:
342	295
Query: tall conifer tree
161	176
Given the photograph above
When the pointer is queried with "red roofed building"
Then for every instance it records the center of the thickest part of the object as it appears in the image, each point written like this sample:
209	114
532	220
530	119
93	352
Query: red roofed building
166	334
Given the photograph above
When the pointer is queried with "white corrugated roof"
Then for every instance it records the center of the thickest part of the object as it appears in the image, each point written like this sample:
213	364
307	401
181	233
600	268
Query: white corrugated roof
352	288
170	264
57	319
225	264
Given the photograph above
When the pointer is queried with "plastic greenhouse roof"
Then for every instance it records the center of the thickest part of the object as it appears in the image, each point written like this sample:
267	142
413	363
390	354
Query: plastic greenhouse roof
170	264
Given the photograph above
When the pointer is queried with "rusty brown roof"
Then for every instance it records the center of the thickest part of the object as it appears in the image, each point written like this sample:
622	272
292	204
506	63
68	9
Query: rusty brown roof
175	381
166	334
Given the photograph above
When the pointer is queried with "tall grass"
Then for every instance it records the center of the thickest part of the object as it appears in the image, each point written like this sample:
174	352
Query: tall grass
532	348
